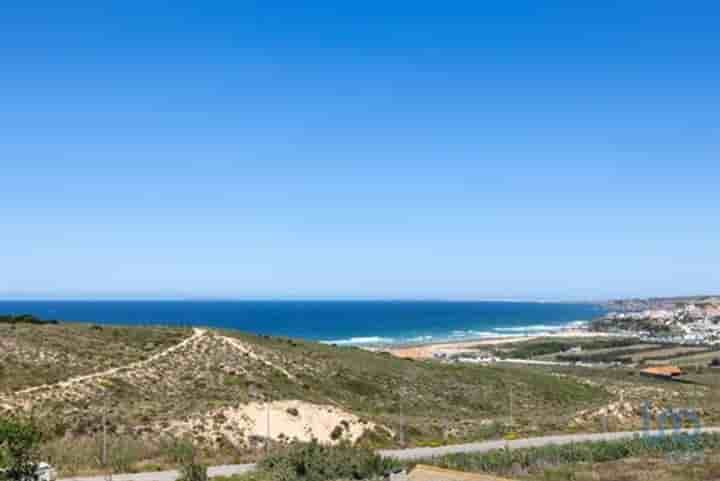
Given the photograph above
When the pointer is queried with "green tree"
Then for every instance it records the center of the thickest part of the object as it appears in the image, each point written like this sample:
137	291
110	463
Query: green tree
19	441
190	468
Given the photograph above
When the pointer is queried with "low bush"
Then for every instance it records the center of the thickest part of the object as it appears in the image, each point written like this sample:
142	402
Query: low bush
24	319
316	462
19	441
190	468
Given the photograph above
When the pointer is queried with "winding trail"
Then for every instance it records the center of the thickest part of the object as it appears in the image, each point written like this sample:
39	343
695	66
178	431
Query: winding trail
250	353
197	334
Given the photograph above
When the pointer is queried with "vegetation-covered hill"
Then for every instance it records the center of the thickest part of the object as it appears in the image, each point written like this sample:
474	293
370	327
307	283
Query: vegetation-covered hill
34	352
217	386
147	378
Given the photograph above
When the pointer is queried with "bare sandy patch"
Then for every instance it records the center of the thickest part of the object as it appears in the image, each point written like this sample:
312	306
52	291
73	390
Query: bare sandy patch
282	421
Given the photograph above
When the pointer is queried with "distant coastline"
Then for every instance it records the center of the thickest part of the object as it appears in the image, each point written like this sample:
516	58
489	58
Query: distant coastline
358	323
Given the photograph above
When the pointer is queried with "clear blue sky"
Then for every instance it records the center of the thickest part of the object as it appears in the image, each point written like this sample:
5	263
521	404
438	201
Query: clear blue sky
382	149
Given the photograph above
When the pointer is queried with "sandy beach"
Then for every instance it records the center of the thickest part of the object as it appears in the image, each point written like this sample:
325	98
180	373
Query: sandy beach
430	350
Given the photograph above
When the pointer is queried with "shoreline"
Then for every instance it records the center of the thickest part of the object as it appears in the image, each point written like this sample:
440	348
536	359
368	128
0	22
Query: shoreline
430	350
494	335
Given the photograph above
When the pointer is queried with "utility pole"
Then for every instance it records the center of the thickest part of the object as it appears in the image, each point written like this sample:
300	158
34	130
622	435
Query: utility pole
104	432
511	406
267	441
108	472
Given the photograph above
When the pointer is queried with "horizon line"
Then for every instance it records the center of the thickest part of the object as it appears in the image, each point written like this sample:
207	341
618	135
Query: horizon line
298	299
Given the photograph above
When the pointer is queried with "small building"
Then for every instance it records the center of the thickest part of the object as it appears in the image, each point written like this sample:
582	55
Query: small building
662	372
424	472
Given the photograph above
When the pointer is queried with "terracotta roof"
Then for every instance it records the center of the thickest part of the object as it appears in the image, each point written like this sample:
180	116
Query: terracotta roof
662	371
423	472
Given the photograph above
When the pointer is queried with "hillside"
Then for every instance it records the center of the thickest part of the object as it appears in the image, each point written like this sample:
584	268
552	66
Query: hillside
220	387
155	380
640	304
32	353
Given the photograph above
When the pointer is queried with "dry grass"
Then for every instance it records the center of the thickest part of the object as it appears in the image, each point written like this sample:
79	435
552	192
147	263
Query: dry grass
706	468
32	355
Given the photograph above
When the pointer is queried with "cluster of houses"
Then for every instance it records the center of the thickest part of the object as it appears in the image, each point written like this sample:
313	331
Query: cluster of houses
688	324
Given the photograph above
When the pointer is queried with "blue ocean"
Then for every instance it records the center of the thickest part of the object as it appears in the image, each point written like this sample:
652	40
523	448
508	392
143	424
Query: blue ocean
340	322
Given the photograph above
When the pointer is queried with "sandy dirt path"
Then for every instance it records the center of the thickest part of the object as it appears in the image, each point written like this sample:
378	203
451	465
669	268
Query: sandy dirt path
197	333
240	346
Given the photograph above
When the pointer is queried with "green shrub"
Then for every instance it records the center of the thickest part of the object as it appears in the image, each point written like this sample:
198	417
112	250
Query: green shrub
190	468
193	471
24	319
19	442
316	462
124	453
336	433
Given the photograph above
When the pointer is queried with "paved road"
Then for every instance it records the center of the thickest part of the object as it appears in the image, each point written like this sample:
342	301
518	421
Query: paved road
407	454
420	453
225	470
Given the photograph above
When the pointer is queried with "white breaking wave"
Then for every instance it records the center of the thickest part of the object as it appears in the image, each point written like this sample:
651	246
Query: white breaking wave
541	327
456	335
578	324
535	328
360	340
473	334
420	339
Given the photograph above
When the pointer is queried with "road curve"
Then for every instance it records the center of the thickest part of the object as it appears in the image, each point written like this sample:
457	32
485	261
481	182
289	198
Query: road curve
412	453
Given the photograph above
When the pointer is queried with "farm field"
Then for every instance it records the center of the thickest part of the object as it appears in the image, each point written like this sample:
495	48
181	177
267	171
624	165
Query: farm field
557	356
622	351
